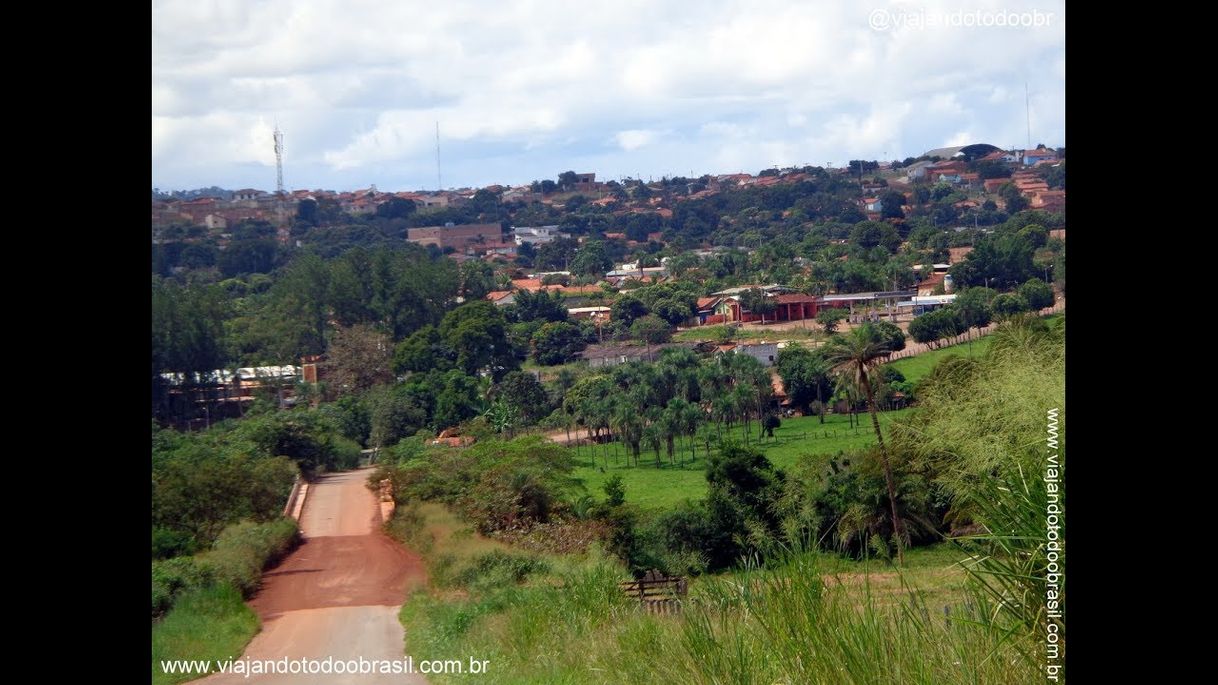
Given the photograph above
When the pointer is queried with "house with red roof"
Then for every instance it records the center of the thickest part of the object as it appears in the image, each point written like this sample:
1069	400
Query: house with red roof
933	282
991	185
501	298
1033	157
530	284
1048	201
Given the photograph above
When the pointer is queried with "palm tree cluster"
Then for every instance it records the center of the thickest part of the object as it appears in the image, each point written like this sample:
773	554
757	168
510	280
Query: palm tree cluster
678	397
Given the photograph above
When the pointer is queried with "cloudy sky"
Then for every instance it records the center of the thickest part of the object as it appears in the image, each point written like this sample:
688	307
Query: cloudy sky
524	90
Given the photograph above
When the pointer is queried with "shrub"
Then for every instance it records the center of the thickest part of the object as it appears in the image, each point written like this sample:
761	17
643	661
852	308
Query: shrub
496	568
1037	294
172	577
243	550
237	559
168	543
495	484
198	489
615	491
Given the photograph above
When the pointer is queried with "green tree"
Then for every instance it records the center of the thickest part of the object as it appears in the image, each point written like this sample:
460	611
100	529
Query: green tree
855	355
476	334
423	351
744	475
891	334
258	255
1015	201
301	296
974	305
871	234
396	208
756	301
187	338
615	491
891	203
830	318
350	288
934	326
672	310
541	305
805	377
394	414
503	417
477	278
591	260
557	342
457	400
1008	305
1037	294
652	330
567	180
524	394
626	309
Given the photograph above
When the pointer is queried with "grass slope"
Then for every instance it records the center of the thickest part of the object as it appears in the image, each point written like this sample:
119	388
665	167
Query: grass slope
813	619
915	368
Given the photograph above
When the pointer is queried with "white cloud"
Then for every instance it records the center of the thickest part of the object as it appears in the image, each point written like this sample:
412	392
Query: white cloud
526	90
635	138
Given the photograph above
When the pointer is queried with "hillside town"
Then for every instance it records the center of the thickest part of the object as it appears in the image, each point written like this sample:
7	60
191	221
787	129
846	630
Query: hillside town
871	240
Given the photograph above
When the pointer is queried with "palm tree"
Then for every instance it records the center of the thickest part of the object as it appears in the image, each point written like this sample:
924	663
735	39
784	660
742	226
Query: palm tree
818	371
854	355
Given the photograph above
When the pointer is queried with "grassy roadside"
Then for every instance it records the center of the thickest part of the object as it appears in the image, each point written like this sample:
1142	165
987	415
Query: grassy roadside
202	597
546	618
206	624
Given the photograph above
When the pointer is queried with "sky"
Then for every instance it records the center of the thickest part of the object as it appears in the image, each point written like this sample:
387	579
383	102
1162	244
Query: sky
525	90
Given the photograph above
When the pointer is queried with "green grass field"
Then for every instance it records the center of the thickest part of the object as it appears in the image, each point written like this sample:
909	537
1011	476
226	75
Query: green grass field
915	368
209	624
659	488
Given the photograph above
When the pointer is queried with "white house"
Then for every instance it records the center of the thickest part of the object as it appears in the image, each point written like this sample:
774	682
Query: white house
537	235
917	170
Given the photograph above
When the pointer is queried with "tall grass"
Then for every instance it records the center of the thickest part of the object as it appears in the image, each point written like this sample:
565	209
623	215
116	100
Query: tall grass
789	624
808	619
1008	571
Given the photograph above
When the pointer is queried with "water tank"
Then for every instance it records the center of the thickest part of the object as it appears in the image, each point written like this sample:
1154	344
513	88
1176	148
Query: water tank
949	285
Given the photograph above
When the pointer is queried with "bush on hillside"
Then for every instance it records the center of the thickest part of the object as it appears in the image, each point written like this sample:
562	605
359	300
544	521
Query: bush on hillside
243	550
237	559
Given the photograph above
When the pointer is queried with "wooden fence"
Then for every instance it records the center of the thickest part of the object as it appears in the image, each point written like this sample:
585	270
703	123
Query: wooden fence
656	593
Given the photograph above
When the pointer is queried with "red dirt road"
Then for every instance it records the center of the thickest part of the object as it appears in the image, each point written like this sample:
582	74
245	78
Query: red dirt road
338	594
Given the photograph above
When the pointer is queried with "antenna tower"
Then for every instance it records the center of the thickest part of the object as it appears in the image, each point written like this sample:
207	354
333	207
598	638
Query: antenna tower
439	178
280	208
1027	106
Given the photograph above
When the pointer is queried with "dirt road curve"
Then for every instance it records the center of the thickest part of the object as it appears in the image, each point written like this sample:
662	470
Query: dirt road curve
338	594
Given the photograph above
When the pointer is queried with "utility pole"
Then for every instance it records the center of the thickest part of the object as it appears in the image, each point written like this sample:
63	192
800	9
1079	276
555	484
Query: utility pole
1027	105
439	178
